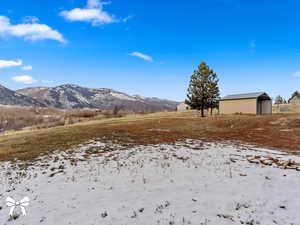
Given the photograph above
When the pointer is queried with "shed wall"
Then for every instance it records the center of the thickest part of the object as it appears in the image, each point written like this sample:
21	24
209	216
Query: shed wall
295	100
264	107
238	106
183	107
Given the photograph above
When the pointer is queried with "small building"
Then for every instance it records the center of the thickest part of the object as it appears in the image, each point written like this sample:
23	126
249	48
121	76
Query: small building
183	107
295	100
258	103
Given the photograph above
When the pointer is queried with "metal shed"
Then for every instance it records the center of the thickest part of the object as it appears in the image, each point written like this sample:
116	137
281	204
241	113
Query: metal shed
295	100
183	107
258	103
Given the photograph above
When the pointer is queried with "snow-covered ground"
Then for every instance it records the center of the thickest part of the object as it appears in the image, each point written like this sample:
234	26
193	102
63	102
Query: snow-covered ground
191	182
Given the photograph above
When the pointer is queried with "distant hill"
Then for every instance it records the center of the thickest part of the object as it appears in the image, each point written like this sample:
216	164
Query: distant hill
71	96
9	97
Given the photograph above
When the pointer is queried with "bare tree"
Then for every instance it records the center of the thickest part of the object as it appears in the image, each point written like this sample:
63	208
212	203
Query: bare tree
117	109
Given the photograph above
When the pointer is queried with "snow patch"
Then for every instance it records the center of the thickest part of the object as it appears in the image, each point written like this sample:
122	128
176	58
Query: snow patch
191	182
122	96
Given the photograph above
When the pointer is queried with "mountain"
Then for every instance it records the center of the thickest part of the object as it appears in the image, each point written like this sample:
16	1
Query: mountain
71	96
9	97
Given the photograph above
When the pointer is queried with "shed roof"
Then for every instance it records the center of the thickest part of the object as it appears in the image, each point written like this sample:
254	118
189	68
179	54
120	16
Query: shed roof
296	96
244	96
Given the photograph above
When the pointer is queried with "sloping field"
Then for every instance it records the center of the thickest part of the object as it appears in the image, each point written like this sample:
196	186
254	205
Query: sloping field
280	131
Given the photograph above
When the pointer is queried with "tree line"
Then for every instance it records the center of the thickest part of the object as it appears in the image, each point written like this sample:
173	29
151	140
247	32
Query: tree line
281	100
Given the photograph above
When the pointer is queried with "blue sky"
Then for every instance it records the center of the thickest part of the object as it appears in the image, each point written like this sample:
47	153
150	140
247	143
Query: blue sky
151	47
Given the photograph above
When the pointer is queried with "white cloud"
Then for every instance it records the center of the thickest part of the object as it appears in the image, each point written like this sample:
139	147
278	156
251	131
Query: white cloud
10	63
96	3
29	31
25	79
297	74
127	18
29	67
30	19
142	56
92	13
93	3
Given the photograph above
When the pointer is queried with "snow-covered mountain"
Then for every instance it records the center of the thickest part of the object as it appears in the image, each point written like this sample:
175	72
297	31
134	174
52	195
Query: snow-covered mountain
71	96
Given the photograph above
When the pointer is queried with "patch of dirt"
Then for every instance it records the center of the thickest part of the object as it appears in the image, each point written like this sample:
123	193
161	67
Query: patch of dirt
274	161
294	123
283	121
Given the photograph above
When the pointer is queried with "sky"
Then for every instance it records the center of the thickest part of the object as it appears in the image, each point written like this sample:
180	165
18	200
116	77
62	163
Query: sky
151	48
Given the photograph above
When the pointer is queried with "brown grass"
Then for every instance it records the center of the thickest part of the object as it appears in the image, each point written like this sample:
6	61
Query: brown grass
17	118
274	131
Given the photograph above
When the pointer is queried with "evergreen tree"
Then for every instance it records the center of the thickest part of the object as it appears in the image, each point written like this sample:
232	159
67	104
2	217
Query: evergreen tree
203	91
279	100
296	93
214	104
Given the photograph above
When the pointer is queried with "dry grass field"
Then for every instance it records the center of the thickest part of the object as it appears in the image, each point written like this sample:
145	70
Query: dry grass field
280	131
17	118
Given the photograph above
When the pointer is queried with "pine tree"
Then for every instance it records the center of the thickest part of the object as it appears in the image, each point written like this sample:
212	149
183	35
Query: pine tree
203	91
214	92
279	100
296	93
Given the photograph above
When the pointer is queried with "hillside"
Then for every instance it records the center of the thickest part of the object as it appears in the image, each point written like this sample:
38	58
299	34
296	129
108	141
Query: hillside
9	97
70	96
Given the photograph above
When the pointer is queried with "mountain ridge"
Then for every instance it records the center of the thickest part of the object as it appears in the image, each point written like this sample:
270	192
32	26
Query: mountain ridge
72	96
9	97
